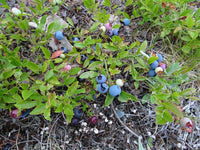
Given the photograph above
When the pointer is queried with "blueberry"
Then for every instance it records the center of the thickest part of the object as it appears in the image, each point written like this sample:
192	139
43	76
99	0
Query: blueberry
160	57
64	49
115	90
102	88
94	120
152	73
83	57
92	61
78	113
116	32
75	122
154	65
75	39
26	113
126	21
94	46
59	35
101	78
109	33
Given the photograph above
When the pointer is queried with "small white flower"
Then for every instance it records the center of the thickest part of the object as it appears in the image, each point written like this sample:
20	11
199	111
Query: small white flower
119	82
16	11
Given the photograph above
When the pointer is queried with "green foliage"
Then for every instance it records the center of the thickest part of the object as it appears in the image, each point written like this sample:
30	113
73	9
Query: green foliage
41	84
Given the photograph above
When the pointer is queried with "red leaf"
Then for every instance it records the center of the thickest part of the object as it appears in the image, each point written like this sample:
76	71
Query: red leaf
56	54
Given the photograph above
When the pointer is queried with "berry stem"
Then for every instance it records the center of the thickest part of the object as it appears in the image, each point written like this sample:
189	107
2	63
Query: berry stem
144	54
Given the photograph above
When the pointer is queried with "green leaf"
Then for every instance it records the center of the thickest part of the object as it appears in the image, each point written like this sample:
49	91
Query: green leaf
117	26
162	96
15	61
107	3
5	5
69	20
129	2
94	26
186	48
193	34
88	74
27	93
173	108
187	92
46	52
114	71
95	65
47	114
160	120
54	80
32	66
26	104
123	54
68	110
72	89
152	59
189	22
110	47
48	75
109	100
174	67
74	71
124	97
8	74
146	98
39	109
143	46
80	45
193	98
44	66
68	81
167	116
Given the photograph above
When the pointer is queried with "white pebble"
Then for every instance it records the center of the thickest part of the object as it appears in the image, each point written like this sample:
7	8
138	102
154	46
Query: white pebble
67	142
95	105
101	114
96	131
76	132
106	120
110	122
119	82
80	130
149	133
179	145
84	124
84	129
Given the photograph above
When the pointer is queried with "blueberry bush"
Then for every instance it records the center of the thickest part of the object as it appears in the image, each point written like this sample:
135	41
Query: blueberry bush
36	78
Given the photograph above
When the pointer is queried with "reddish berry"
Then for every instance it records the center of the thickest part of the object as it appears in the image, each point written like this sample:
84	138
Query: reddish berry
14	114
94	120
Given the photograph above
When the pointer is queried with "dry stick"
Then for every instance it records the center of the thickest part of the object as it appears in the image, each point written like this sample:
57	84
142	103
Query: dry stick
123	123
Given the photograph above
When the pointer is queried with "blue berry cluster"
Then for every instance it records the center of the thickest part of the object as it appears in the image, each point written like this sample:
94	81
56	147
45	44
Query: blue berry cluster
157	67
78	114
102	87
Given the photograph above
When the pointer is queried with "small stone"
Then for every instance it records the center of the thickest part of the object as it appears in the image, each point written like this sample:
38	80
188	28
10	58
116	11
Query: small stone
96	131
120	113
110	122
